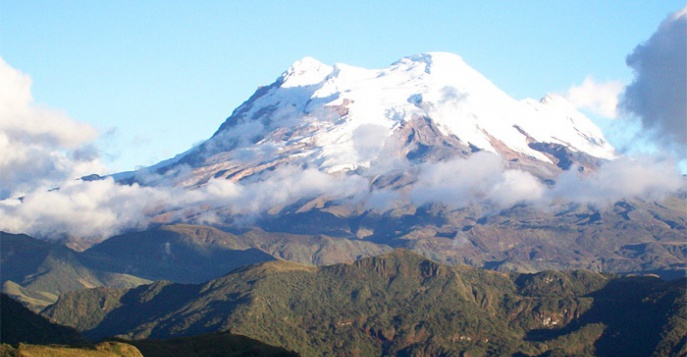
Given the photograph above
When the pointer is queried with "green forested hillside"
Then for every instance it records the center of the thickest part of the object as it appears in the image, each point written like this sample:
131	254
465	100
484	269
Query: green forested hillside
399	303
26	334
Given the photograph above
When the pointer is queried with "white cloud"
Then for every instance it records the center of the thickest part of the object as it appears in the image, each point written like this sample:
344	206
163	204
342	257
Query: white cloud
515	187
99	209
640	177
94	209
284	186
599	98
40	147
481	178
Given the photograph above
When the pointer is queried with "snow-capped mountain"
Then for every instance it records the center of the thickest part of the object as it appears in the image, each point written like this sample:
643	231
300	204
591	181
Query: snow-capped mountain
426	107
331	163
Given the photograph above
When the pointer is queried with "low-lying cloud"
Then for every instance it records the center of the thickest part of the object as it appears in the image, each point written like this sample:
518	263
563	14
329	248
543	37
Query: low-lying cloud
481	178
99	209
638	177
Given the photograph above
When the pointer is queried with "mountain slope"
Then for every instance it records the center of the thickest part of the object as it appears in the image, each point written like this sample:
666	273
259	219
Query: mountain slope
23	333
37	272
19	324
199	255
399	303
195	254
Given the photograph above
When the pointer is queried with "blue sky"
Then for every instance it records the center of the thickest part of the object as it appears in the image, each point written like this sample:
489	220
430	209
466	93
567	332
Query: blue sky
156	77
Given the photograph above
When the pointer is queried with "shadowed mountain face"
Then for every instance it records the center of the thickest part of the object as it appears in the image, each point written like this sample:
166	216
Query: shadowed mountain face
399	303
23	333
216	344
37	272
181	255
195	254
19	324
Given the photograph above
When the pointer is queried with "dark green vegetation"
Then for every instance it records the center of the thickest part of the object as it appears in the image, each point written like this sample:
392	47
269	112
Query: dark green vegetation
24	333
217	344
399	303
19	324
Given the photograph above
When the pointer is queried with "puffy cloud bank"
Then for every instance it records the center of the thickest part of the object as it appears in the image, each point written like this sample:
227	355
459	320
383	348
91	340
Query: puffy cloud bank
99	209
658	95
39	147
639	177
481	178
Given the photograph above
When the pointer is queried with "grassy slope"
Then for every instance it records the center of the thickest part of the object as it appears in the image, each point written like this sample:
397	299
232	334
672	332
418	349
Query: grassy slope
105	349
